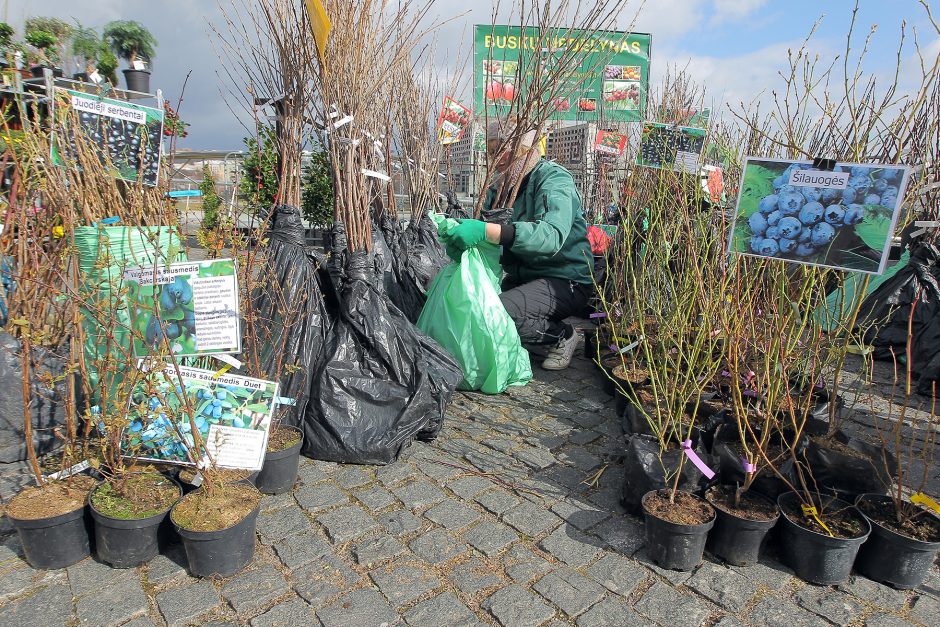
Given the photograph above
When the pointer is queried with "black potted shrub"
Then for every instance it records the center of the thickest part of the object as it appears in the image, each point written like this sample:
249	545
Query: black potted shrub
743	521
132	42
677	526
281	460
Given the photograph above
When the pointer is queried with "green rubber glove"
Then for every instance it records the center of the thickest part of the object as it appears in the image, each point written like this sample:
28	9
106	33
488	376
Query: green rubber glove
466	235
453	252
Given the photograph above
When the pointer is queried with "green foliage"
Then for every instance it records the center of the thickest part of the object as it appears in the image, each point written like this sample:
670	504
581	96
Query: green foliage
317	193
60	29
107	62
210	200
130	40
258	184
6	34
85	43
40	39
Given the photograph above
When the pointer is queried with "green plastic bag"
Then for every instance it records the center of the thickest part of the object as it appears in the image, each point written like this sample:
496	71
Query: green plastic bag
464	314
104	253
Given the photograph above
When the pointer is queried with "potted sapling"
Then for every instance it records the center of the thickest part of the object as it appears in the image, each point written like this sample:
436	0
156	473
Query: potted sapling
281	459
132	42
6	44
44	44
905	524
85	45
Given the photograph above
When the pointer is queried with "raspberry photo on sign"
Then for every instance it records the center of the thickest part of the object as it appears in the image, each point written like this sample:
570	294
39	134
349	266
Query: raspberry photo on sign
843	218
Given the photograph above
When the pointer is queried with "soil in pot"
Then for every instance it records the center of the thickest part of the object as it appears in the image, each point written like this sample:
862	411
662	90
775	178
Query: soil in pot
220	475
646	468
899	553
281	461
807	546
740	528
676	530
218	528
52	522
128	516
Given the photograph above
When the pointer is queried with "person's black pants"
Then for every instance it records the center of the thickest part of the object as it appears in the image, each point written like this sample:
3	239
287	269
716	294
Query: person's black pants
538	307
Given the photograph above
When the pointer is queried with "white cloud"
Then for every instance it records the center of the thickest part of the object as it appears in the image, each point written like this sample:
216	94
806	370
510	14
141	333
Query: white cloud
735	10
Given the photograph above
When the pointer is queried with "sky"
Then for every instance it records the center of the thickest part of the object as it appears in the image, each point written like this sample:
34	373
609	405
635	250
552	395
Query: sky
735	47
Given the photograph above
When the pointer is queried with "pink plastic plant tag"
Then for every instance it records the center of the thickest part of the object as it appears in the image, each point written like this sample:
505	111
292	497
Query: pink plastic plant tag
695	459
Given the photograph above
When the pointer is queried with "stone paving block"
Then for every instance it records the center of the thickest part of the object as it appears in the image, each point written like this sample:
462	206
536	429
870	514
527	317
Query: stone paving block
13	581
674	577
310	474
931	584
729	621
668	606
723	586
437	546
488	461
608	499
394	473
400	522
290	613
419	494
402	583
320	497
468	487
302	549
516	606
617	574
281	524
875	593
323	579
612	613
274	502
140	621
530	519
571	546
254	589
522	565
535	458
444	609
563	477
569	590
452	514
623	534
767	572
352	477
358	608
347	523
48	607
888	620
502	445
586	419
440	472
830	604
181	606
169	565
490	538
925	609
774	612
546	441
378	549
113	604
497	501
375	498
578	514
578	457
583	437
89	575
473	576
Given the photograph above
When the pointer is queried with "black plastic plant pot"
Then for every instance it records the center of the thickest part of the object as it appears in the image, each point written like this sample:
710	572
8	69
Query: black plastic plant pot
56	542
738	540
128	543
891	558
279	472
137	80
816	557
674	546
220	553
81	76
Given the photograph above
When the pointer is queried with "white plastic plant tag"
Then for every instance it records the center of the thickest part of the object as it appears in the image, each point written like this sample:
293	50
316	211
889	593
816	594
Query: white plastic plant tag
68	472
377	175
343	122
95	77
139	65
228	359
197	479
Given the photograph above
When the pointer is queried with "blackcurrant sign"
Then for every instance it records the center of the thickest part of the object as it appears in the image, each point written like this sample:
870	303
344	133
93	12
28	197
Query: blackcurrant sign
126	136
843	219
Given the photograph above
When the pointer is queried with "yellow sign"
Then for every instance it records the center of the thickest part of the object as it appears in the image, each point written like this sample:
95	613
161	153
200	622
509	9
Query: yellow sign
920	498
811	511
320	24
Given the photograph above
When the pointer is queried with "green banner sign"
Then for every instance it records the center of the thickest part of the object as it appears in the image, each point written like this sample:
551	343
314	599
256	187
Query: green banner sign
610	83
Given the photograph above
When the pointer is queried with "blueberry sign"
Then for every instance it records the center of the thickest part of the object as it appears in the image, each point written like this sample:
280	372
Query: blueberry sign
232	414
841	219
191	307
125	135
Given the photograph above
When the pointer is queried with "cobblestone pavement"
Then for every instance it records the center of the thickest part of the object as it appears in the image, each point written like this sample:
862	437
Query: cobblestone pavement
511	517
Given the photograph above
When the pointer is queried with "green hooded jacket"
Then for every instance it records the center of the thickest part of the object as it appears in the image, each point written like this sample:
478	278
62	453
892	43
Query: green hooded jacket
551	234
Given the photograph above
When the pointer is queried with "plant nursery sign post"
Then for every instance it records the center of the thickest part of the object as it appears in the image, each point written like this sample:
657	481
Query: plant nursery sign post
232	413
194	305
613	76
127	134
670	147
842	219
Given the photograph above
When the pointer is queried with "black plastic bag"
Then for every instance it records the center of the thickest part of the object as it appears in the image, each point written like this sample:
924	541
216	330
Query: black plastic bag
406	290
381	384
731	469
858	468
291	316
425	251
916	284
644	469
453	208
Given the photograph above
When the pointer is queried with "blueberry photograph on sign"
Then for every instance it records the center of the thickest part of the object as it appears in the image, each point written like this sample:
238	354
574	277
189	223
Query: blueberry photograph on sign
843	218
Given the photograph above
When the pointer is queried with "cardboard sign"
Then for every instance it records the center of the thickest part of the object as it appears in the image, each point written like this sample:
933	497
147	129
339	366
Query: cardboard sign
610	143
668	147
126	134
192	305
843	219
453	121
231	413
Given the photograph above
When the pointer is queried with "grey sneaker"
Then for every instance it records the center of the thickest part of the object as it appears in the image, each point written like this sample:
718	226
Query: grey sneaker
560	356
